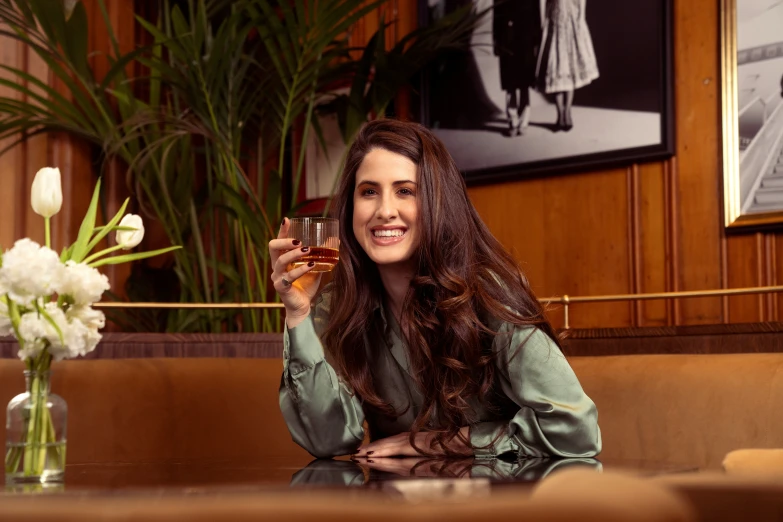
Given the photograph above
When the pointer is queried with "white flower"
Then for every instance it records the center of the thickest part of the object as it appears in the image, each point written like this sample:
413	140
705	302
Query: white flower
128	239
35	331
91	318
5	321
81	340
30	271
83	283
46	194
79	328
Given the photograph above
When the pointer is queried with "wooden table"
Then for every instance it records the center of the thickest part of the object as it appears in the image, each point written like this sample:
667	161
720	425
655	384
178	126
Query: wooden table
219	476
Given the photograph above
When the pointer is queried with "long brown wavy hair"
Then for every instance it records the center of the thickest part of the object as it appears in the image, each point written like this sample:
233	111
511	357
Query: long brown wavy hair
464	279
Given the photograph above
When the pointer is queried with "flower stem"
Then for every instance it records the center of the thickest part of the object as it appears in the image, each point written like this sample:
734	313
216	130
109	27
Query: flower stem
48	232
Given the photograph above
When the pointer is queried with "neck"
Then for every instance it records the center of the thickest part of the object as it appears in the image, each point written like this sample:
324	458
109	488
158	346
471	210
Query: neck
396	281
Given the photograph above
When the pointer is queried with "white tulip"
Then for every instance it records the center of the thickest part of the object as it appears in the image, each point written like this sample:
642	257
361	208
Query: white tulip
46	195
128	239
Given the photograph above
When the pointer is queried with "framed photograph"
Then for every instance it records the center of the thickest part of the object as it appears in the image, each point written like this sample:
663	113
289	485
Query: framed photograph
752	105
550	86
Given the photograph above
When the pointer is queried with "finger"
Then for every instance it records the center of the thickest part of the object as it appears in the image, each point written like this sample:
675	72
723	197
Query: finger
380	449
283	232
299	271
285	259
277	247
292	276
286	280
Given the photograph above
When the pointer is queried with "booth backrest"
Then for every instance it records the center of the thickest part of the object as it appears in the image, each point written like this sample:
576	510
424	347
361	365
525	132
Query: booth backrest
677	409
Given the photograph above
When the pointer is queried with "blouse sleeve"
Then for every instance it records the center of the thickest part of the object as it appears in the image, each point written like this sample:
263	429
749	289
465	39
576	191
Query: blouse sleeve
322	413
555	417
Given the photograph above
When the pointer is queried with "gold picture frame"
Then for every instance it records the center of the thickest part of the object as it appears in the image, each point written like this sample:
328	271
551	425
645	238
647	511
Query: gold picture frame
743	205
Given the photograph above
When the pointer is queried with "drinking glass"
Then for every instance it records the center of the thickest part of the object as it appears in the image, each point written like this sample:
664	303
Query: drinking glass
321	236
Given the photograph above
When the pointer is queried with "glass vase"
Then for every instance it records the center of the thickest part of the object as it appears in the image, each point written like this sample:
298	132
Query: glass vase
35	433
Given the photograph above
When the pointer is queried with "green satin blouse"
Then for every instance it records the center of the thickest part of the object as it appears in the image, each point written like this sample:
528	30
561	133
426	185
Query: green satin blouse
544	411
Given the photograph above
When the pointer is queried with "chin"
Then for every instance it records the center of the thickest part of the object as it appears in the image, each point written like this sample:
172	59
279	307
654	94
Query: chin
390	258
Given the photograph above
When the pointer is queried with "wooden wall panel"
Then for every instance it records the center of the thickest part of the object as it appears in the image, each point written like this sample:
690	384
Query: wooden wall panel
652	253
642	228
660	225
697	165
12	162
73	157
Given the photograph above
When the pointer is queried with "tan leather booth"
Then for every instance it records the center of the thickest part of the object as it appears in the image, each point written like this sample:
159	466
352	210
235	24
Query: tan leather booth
677	409
685	409
141	410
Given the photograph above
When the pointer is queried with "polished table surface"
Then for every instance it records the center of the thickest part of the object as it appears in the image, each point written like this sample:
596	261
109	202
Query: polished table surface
204	477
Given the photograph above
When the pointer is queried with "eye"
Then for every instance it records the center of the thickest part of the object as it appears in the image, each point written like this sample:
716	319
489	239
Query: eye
368	192
406	192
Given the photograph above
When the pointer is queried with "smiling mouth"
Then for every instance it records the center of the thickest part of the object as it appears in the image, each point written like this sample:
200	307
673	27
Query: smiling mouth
396	232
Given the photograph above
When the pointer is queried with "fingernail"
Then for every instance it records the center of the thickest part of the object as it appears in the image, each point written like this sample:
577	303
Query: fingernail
305	249
370	452
371	461
311	264
295	242
283	223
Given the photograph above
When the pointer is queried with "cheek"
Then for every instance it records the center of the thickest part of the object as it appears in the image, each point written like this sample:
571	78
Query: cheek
359	217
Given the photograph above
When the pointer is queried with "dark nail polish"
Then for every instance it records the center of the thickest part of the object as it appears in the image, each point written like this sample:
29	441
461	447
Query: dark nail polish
370	452
311	264
305	249
295	242
283	224
370	461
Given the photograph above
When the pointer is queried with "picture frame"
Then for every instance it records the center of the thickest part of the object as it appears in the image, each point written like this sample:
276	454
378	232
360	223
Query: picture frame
752	113
622	116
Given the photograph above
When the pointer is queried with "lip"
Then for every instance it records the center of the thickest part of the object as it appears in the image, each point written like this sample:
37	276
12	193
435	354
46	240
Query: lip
387	241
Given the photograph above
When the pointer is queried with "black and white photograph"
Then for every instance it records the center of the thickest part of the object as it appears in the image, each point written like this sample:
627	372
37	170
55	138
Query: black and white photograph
550	86
757	117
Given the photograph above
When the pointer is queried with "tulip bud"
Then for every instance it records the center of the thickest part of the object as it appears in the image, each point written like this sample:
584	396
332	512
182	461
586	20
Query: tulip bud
46	195
128	239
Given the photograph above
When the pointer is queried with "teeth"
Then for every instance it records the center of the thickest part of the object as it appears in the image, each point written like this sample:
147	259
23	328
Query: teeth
388	233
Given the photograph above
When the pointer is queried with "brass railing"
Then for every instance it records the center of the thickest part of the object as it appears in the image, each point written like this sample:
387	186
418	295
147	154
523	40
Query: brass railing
565	300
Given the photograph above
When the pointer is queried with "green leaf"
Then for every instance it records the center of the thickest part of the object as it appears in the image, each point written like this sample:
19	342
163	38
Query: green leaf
66	254
75	42
87	226
108	228
116	260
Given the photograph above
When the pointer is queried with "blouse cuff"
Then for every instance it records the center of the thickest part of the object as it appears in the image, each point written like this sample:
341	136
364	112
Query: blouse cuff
301	347
490	439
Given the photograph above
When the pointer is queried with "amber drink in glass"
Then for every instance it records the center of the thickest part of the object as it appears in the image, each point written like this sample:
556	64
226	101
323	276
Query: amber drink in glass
320	235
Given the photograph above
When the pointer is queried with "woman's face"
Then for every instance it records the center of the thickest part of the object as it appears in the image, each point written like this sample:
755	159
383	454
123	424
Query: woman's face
385	207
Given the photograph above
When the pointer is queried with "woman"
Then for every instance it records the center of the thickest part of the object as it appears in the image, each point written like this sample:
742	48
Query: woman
428	332
567	59
516	35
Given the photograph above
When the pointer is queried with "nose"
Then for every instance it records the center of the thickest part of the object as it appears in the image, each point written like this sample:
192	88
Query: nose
386	210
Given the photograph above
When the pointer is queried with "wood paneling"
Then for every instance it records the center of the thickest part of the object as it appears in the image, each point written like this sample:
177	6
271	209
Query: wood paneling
643	228
72	156
650	227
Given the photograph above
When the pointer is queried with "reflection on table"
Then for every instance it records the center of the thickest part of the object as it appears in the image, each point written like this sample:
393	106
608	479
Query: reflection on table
207	477
366	472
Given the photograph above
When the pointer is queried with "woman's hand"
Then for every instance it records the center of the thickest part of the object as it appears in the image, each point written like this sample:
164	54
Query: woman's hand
422	466
296	287
399	446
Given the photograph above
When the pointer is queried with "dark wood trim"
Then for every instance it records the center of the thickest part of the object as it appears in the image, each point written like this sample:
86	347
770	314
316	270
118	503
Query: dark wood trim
142	345
699	339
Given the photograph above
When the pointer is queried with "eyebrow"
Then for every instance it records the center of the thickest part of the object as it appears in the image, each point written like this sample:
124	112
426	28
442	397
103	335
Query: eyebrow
394	184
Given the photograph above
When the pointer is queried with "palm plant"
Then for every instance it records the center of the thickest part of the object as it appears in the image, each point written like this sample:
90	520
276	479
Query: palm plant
205	134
